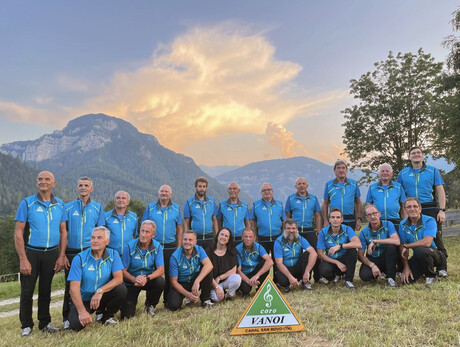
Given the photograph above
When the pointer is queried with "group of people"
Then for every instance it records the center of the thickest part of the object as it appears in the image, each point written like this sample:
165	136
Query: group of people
220	249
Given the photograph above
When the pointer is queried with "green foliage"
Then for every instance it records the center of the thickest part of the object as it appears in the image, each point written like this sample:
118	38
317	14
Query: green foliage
396	110
9	261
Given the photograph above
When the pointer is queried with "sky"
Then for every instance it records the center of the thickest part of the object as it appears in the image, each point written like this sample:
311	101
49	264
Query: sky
226	83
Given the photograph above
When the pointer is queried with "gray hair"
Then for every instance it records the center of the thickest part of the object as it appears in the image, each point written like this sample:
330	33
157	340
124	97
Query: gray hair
104	229
122	191
165	185
340	162
237	185
385	165
150	222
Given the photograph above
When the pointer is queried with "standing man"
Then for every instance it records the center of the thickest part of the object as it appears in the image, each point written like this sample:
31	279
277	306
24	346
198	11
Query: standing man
388	196
418	232
420	181
37	248
343	193
337	245
254	263
168	220
304	209
190	272
96	282
83	215
380	240
121	222
294	258
233	213
268	215
200	214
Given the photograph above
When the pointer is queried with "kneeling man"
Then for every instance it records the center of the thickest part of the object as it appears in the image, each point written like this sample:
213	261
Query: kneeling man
143	270
294	258
380	240
418	232
254	263
96	277
189	271
336	247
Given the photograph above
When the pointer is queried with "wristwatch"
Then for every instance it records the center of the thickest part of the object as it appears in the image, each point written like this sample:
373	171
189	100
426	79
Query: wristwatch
442	209
99	291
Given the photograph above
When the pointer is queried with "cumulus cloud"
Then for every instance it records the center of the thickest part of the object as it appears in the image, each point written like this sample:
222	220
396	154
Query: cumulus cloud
334	152
208	82
279	137
70	84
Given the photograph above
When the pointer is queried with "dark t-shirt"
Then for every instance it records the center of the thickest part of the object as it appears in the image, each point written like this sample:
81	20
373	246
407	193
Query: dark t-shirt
222	264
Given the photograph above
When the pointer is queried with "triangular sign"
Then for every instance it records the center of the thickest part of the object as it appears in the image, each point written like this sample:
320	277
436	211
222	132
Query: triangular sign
268	312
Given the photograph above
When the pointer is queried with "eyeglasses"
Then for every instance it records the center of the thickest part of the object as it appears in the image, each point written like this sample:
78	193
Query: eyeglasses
373	214
266	190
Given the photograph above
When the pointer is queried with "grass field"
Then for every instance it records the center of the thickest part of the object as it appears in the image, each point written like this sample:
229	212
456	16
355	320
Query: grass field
373	314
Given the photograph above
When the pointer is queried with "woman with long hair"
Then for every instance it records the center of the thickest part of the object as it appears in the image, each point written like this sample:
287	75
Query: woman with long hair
223	257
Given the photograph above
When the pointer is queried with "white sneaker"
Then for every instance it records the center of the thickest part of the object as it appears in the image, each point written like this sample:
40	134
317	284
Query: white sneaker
66	325
110	321
322	280
336	279
26	331
187	301
50	329
307	286
99	317
150	310
392	283
431	280
349	285
443	273
207	303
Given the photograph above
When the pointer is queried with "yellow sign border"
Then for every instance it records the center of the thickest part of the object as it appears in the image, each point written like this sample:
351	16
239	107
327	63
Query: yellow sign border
269	329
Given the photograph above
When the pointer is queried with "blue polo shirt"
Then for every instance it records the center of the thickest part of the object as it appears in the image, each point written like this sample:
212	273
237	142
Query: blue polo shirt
342	195
93	274
420	183
166	218
426	226
122	229
249	260
290	252
201	213
302	209
326	240
269	217
81	221
186	269
233	216
367	235
139	261
387	199
43	220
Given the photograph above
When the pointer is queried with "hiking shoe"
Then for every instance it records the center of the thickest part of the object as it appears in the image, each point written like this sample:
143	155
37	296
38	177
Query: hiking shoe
99	317
392	283
50	329
443	273
383	276
110	321
207	303
349	285
307	286
322	280
187	301
431	280
66	325
26	331
336	279
150	310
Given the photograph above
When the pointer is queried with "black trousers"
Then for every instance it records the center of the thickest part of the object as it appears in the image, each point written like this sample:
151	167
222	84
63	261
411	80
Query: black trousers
329	271
297	270
268	243
175	298
424	260
42	263
168	250
312	239
432	210
110	303
70	254
386	263
246	288
153	290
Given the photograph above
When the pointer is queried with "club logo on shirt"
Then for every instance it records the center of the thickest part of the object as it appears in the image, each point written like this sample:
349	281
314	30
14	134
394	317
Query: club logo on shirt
137	257
158	212
229	208
197	206
298	201
184	266
91	268
39	209
264	208
115	221
76	213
